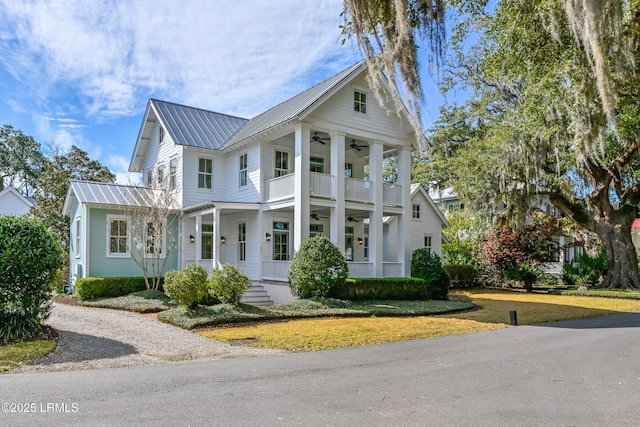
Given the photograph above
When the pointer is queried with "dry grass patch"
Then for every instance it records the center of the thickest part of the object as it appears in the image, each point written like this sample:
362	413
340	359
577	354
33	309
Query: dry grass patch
332	333
23	353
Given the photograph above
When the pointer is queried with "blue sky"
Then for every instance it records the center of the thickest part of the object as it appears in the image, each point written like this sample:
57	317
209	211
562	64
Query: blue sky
81	72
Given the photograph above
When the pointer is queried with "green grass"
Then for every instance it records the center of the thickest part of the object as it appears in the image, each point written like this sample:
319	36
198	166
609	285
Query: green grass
227	313
139	302
22	353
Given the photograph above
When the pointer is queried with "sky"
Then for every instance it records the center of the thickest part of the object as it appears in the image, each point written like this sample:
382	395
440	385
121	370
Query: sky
81	72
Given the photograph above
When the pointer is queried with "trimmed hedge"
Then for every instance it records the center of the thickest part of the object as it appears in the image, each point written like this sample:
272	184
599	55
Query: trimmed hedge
462	276
391	288
100	287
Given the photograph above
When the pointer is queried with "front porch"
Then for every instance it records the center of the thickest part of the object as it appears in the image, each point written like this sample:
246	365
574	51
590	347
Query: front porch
277	271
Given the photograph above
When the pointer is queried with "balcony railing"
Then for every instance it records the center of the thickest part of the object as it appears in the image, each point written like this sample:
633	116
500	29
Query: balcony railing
321	185
279	188
392	194
358	190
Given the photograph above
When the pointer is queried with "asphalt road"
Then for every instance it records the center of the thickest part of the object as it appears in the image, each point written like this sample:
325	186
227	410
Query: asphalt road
576	373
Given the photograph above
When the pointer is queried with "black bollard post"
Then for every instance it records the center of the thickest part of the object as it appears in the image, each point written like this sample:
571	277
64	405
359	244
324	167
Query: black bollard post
513	315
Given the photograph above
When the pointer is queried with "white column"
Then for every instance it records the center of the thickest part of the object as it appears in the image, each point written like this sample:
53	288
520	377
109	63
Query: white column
404	179
301	198
197	253
376	249
337	170
216	237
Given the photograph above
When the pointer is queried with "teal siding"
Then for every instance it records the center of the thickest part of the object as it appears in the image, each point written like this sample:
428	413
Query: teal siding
102	266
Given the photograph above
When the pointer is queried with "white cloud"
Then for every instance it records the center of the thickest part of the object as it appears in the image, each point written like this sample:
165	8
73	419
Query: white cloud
237	57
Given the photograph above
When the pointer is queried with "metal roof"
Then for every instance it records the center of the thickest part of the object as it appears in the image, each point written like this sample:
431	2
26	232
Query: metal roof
293	107
197	127
100	193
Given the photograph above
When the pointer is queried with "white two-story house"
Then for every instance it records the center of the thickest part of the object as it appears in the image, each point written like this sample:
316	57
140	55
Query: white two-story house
249	192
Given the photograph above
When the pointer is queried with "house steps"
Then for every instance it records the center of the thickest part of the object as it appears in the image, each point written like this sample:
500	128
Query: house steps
256	295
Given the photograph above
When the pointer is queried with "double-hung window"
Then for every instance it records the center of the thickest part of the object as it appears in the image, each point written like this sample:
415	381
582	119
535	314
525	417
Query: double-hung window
427	242
416	211
206	242
315	230
243	170
172	174
282	163
205	173
242	241
150	178
160	134
154	240
117	236
360	101
281	241
160	176
78	237
316	164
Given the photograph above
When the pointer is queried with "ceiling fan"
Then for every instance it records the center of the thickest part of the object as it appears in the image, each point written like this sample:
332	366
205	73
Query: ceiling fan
316	216
356	146
352	219
318	138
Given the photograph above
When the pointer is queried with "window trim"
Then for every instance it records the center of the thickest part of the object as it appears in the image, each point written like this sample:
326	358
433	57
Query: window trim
316	161
275	159
205	174
242	241
358	102
350	168
127	253
173	173
430	246
415	211
160	174
319	229
78	231
274	232
202	240
163	248
160	134
150	177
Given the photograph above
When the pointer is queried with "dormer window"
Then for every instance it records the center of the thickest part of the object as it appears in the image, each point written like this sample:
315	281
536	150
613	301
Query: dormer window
359	101
161	134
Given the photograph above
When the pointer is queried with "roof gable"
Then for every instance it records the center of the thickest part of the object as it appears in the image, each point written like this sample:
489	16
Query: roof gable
419	189
11	198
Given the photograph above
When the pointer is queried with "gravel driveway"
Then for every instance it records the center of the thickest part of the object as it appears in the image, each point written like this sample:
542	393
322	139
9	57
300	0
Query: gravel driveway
95	338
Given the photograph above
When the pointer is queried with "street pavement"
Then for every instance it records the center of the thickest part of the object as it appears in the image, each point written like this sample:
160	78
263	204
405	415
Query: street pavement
574	373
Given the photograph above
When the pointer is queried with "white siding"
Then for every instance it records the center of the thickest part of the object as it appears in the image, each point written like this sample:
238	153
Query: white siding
429	224
13	204
194	195
249	193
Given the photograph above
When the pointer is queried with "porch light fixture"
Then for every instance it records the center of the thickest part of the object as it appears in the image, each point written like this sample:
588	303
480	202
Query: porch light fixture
223	240
360	241
191	238
267	237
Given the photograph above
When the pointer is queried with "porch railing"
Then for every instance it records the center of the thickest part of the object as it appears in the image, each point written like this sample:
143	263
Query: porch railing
321	185
276	270
392	194
359	269
279	188
391	269
357	190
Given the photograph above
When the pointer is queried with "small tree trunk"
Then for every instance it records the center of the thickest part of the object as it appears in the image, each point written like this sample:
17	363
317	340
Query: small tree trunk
615	233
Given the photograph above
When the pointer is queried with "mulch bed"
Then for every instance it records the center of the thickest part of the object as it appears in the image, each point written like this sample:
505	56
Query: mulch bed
63	299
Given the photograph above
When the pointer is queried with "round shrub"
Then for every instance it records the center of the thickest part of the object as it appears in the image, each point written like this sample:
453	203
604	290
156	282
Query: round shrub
228	283
187	286
427	265
317	268
30	257
462	276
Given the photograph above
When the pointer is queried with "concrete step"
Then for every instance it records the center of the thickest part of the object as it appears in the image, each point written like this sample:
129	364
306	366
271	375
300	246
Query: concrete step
256	295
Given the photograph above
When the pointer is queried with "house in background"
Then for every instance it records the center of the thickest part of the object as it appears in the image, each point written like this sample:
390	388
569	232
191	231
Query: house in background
249	192
12	202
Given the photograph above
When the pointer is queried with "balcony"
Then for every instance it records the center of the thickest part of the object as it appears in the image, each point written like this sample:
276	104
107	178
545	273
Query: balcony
321	185
279	188
392	194
358	190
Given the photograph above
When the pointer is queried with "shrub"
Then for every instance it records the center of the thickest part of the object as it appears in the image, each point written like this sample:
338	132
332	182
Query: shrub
316	268
589	270
462	276
187	286
228	283
30	256
427	265
391	288
89	288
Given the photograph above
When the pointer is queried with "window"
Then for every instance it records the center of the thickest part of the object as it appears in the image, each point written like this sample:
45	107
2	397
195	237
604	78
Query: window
427	242
348	243
150	178
316	164
243	170
348	170
154	240
161	134
282	163
77	237
172	174
281	241
366	247
160	176
359	102
206	242
416	211
205	173
118	235
242	241
315	230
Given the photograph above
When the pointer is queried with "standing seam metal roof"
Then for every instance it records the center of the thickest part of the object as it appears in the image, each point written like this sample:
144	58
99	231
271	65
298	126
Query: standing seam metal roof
100	193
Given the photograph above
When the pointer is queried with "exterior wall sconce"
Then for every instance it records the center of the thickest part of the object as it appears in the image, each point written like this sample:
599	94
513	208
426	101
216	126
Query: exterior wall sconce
267	237
360	241
223	240
191	238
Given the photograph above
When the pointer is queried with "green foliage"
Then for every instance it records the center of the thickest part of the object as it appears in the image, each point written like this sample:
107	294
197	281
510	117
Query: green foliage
187	286
589	270
317	268
462	276
391	288
29	258
525	273
21	160
228	283
89	288
464	236
427	265
146	301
